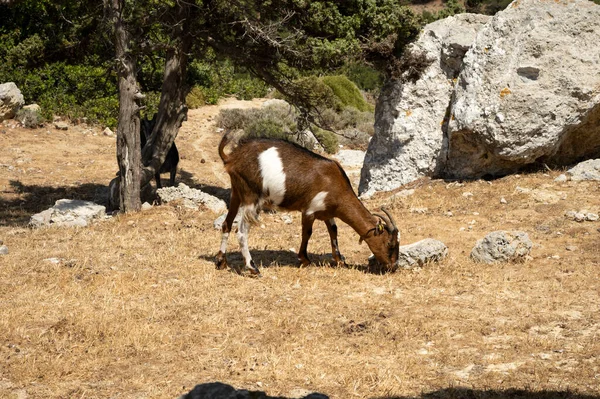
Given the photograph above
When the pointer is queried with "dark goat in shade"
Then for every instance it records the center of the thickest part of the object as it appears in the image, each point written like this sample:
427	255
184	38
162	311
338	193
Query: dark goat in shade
172	158
274	173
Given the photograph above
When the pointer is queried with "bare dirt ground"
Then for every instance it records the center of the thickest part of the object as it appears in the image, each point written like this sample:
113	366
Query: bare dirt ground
133	307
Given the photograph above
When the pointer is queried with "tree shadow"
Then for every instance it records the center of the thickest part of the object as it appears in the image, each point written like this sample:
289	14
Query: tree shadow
511	393
219	390
188	179
31	199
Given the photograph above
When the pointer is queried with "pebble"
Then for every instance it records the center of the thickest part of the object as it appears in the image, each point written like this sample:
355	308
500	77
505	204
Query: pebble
571	248
3	250
503	201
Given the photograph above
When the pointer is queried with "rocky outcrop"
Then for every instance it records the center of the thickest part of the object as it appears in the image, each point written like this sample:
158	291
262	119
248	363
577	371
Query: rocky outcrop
409	114
529	90
587	170
11	100
526	92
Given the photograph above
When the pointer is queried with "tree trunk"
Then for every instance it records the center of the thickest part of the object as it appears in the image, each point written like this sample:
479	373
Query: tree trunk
171	109
128	126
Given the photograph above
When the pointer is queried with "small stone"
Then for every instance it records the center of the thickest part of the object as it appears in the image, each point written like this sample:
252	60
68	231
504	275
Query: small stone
571	248
3	250
418	210
108	132
61	125
592	217
287	219
53	260
146	206
475	213
561	178
467	194
580	217
555	257
503	201
449	214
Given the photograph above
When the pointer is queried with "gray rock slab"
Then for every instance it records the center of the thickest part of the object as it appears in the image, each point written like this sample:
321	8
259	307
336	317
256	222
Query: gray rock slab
68	213
11	100
191	197
421	252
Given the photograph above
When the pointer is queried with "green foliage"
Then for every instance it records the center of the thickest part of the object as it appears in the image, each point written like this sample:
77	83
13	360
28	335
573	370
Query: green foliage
490	7
328	140
268	128
346	92
195	98
28	52
365	77
30	118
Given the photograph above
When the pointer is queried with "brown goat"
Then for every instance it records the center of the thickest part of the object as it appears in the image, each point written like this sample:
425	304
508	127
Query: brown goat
269	173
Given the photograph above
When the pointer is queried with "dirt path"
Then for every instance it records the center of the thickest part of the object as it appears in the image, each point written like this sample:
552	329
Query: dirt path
201	138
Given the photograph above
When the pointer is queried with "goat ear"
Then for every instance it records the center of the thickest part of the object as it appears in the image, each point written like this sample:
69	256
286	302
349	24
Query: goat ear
379	228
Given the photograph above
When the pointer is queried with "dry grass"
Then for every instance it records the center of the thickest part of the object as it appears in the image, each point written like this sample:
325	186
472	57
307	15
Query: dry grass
135	308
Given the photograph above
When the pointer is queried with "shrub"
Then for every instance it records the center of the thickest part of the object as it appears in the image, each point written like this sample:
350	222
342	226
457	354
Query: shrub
328	140
30	117
347	92
195	98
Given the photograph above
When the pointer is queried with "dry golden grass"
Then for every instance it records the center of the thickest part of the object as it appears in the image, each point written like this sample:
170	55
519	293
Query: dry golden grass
136	309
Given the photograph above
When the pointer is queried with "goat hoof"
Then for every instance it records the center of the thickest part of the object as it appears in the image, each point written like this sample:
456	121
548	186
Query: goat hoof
253	269
338	263
221	261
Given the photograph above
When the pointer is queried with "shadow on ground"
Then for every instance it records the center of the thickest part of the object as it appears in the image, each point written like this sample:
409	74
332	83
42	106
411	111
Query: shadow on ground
219	390
467	393
22	201
279	258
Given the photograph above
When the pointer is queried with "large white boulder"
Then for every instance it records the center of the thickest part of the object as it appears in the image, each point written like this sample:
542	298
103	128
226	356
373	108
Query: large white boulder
410	114
529	90
11	100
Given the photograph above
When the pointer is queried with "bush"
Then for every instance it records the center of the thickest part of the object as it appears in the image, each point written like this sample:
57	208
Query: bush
195	98
30	117
347	92
328	140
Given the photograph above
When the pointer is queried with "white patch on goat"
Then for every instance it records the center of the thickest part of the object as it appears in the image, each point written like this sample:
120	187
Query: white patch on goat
224	239
317	203
271	170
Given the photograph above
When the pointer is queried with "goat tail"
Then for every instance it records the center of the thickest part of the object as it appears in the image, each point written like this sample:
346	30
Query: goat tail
224	141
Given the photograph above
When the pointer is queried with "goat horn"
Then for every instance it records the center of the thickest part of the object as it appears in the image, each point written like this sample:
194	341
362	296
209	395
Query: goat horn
391	219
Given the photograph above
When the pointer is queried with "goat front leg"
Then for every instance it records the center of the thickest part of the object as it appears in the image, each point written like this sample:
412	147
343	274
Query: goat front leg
234	205
172	176
248	211
157	178
338	260
307	223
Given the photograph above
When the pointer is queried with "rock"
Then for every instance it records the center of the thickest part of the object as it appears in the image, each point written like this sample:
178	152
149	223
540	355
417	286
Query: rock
403	194
350	158
61	125
307	139
274	102
286	218
561	178
581	216
68	213
503	201
421	253
409	114
587	170
502	246
527	92
108	132
192	198
11	100
146	206
3	250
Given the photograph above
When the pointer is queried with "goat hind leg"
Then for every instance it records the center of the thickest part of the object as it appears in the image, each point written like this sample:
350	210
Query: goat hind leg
234	205
248	212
